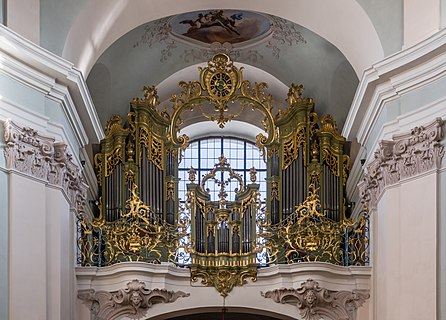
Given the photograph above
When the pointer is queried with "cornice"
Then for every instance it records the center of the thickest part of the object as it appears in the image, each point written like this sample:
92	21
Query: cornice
333	276
384	82
59	79
406	156
386	79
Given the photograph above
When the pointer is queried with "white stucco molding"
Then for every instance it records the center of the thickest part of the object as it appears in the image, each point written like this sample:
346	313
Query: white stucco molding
53	76
132	301
205	299
383	83
407	155
388	79
314	302
43	158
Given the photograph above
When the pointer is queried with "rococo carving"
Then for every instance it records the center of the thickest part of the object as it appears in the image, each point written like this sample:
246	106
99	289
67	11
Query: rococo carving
405	156
42	157
315	303
221	85
132	302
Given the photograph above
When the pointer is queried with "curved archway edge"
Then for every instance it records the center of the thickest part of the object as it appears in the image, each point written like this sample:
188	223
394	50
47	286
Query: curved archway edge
102	22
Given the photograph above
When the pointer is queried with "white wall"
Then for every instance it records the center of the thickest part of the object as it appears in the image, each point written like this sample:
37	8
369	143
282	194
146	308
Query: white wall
4	245
23	16
404	268
37	233
28	252
421	19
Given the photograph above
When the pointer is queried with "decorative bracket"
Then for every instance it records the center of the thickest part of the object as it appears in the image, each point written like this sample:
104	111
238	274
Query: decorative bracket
132	302
314	302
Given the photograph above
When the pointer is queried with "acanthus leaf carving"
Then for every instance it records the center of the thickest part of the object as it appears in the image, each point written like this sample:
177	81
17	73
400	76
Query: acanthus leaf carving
42	157
132	301
406	155
314	302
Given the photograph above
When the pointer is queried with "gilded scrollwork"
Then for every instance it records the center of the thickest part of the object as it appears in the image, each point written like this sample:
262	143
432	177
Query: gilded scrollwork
224	280
331	160
274	190
113	126
345	168
170	190
139	231
221	84
291	145
309	235
328	125
154	147
224	250
138	235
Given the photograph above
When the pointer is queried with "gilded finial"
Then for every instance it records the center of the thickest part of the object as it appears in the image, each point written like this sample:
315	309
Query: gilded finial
315	151
222	160
295	93
253	174
150	95
192	174
130	149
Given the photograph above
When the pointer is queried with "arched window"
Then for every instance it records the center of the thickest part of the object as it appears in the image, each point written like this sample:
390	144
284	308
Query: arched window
203	154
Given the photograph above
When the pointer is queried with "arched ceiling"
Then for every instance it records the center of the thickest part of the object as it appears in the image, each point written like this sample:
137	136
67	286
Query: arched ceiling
271	49
123	45
344	23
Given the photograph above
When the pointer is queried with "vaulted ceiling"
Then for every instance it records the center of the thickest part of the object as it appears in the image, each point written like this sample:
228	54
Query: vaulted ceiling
271	49
123	45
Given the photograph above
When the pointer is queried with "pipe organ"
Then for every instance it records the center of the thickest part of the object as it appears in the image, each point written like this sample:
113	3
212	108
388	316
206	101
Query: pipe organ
138	146
223	231
307	153
140	218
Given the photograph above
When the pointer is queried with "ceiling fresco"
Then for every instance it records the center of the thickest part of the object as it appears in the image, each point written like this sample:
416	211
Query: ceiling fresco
253	29
222	26
160	49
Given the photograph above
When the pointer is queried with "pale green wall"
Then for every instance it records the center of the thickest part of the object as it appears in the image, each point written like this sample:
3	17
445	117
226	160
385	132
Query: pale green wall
21	94
407	102
3	11
56	19
387	18
38	103
443	13
25	106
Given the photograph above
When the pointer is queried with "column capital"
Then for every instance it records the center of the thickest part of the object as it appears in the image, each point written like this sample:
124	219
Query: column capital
405	156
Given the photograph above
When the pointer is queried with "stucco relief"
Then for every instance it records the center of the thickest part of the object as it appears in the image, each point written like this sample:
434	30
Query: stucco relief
42	157
405	156
132	301
315	303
